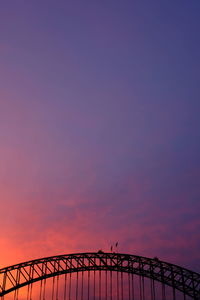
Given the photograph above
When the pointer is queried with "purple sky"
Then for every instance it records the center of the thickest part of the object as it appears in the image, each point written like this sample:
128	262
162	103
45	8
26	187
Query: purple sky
100	128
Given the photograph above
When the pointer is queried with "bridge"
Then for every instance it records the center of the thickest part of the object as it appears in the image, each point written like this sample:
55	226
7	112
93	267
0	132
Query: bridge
101	276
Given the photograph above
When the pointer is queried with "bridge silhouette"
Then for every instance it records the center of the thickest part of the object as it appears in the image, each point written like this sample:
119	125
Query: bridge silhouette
101	276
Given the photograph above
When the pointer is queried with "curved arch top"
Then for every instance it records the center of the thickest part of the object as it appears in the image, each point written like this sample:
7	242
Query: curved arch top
22	274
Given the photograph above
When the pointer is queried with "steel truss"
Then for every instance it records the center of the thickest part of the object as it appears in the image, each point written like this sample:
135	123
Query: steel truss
19	275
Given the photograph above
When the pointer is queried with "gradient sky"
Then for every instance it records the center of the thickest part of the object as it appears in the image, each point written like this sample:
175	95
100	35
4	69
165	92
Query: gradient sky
100	128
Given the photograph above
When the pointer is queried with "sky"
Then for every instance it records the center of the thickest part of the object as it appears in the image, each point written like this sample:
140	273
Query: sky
99	128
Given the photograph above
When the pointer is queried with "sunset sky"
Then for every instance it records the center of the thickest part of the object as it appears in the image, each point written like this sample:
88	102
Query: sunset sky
100	128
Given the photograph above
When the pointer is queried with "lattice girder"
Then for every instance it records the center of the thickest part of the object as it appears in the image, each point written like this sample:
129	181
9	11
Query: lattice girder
19	275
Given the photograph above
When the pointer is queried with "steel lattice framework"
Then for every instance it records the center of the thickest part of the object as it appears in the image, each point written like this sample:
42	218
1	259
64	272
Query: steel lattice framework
19	275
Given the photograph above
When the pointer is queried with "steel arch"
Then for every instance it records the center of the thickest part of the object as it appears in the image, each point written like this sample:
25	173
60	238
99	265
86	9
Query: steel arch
22	274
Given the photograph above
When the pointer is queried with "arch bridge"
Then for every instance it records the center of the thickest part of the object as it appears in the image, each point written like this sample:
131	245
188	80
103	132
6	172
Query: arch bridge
24	274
